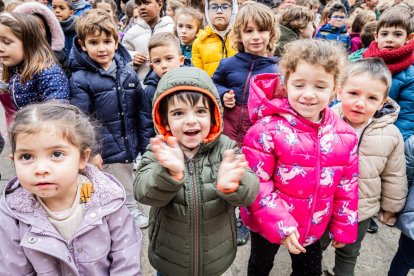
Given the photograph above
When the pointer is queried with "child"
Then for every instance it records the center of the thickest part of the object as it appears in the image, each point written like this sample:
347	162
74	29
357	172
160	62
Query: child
192	178
335	29
306	160
136	39
103	85
64	12
367	36
255	36
371	5
361	19
106	5
60	215
382	186
214	44
295	23
29	65
165	54
188	23
313	5
172	6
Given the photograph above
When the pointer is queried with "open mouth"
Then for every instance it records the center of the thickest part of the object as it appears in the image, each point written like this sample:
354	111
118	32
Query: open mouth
192	133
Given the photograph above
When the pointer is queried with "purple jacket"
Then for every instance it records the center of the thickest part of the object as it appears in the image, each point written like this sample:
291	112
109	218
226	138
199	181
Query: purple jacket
106	242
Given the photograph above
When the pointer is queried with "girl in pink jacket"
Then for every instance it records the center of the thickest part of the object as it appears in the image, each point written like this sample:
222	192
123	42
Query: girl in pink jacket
305	158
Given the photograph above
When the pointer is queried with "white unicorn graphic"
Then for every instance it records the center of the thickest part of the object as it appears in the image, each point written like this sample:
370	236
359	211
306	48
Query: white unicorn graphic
291	136
286	175
265	120
258	110
326	142
345	183
290	118
269	200
317	216
325	129
309	240
289	207
266	141
351	215
284	230
327	177
260	172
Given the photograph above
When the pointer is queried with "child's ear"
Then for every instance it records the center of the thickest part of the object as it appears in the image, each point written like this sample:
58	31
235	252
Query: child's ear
376	36
71	12
409	38
11	156
82	45
182	58
84	158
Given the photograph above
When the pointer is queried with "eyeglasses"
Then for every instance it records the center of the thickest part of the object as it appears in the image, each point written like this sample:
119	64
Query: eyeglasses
222	7
338	17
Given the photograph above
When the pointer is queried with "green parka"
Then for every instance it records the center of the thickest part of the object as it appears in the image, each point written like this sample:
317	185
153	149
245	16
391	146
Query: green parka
192	225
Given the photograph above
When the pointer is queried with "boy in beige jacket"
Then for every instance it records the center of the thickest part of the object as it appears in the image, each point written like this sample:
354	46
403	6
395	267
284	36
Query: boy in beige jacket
382	185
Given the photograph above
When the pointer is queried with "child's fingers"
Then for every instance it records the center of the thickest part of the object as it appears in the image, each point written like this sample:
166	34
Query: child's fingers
228	156
173	142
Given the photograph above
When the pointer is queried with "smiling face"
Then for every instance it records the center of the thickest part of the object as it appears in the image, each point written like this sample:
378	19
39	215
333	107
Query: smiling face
47	165
219	17
309	90
190	124
361	97
61	9
187	28
100	48
149	11
11	47
254	39
391	38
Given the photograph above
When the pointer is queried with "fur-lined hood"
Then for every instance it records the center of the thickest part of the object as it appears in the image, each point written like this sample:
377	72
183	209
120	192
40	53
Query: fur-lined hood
57	39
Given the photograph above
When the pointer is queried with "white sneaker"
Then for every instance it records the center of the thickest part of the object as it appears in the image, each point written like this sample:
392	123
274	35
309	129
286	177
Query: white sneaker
139	218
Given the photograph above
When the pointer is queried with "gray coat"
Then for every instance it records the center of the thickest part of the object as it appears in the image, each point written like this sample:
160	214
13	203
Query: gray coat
106	242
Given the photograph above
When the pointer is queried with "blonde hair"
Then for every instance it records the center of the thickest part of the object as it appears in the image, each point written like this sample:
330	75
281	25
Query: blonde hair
316	52
164	39
260	15
93	21
37	54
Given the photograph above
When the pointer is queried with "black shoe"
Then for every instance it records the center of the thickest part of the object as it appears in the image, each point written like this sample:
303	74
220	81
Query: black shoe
242	233
373	227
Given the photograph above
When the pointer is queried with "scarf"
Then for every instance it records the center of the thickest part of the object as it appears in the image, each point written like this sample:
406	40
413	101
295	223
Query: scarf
397	60
68	25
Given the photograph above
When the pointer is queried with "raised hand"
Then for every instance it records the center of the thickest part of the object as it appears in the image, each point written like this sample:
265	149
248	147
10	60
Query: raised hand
291	242
139	59
169	155
229	99
231	170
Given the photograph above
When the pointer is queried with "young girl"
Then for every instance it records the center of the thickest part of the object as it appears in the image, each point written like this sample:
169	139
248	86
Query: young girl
255	35
305	157
172	6
188	22
106	5
361	19
152	20
59	215
29	65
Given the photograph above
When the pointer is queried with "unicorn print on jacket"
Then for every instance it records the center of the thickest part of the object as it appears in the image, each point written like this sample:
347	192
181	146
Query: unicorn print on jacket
317	216
284	230
291	137
260	172
327	177
266	141
352	216
326	142
285	174
345	184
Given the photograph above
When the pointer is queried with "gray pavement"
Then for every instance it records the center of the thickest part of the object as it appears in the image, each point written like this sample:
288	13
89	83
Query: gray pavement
376	253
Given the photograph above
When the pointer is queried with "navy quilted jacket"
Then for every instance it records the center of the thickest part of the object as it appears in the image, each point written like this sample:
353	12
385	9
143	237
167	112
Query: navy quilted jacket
50	84
113	102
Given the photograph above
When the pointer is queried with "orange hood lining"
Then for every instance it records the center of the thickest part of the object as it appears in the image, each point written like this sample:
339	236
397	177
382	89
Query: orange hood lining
215	130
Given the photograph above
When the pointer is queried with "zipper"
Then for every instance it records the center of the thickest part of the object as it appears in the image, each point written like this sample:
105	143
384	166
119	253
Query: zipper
318	179
242	103
196	215
14	93
362	134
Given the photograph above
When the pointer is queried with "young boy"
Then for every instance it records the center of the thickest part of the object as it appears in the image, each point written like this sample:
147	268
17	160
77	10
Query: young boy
335	29
382	185
165	54
192	178
64	12
214	43
105	87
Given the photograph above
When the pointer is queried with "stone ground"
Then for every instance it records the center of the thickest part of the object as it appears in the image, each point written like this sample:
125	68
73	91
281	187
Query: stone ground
376	253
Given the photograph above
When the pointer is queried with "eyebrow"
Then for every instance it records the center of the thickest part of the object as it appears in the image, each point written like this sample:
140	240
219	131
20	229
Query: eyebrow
57	146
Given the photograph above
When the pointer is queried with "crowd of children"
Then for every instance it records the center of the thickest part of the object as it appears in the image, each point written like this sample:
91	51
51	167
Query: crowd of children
276	108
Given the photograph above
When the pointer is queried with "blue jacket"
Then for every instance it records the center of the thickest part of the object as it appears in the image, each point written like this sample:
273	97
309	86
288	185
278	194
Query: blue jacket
50	84
114	102
339	35
402	91
151	82
234	73
405	221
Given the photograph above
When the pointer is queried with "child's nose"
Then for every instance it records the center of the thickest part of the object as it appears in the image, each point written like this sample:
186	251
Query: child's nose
42	168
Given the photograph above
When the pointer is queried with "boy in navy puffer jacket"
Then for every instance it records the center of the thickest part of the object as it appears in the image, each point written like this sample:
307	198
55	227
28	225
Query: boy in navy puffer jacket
104	86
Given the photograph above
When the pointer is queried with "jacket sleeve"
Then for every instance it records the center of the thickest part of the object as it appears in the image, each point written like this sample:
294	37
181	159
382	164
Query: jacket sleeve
220	79
153	185
394	179
344	221
53	85
79	94
248	187
13	260
196	55
268	215
126	242
140	124
146	117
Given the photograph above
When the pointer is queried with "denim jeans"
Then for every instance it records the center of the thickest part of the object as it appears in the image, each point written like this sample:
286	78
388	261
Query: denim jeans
404	258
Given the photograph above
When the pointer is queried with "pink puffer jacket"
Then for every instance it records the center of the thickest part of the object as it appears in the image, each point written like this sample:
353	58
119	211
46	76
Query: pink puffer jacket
308	171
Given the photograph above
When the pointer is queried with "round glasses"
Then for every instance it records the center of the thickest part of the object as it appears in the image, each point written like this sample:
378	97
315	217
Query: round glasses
222	7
